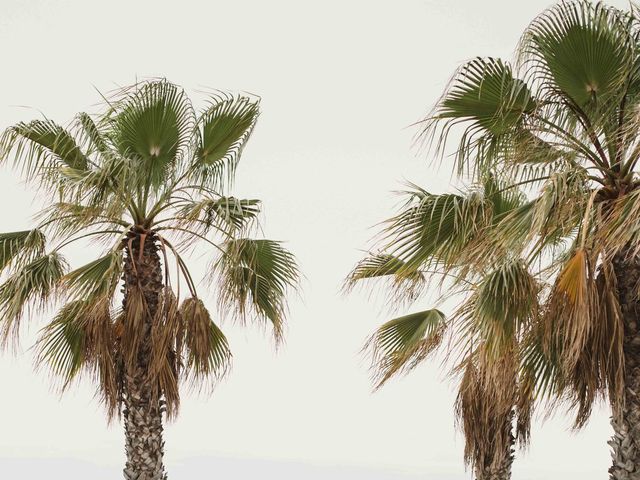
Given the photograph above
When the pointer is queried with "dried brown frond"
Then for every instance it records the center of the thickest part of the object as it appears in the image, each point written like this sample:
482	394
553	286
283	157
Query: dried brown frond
485	411
206	348
572	307
135	317
165	363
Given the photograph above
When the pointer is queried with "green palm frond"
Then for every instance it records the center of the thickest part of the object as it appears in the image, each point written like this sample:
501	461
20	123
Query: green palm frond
405	283
223	129
489	101
98	279
81	339
63	219
19	247
433	229
540	366
503	304
532	228
42	150
504	198
582	50
208	353
511	230
255	276
235	212
61	344
529	148
90	134
401	344
31	286
152	125
561	205
227	214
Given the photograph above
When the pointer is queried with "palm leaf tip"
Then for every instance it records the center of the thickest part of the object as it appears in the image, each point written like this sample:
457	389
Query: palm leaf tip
401	344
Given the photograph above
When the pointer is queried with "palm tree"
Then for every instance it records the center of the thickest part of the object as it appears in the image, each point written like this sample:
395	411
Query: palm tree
560	126
146	180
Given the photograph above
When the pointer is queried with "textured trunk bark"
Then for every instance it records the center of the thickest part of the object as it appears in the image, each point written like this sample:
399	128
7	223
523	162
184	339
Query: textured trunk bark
500	470
625	442
142	412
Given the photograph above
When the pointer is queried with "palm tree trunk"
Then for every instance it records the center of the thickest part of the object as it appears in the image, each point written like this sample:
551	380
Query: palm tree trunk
143	408
625	442
503	472
499	468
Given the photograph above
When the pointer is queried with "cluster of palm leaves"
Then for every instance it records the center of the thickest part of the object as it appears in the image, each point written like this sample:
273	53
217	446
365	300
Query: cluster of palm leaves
540	249
143	182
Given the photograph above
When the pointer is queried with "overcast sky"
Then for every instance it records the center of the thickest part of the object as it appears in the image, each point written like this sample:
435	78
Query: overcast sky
340	81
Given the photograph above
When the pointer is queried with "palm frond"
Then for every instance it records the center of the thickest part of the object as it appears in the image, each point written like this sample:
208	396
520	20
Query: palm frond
42	150
404	283
33	286
254	276
502	305
98	279
401	344
90	134
433	230
82	338
61	344
19	247
572	307
224	128
582	51
485	410
207	350
226	214
583	333
490	102
63	219
151	125
619	227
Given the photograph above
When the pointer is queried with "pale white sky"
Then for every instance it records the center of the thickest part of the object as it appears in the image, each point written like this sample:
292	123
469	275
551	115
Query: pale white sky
340	82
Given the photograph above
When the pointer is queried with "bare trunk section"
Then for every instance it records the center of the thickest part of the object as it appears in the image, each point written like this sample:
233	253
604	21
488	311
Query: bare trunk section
625	442
142	412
